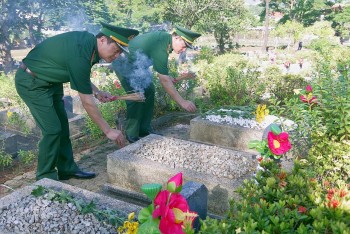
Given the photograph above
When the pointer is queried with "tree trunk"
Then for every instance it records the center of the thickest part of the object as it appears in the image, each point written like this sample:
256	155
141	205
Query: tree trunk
267	16
5	49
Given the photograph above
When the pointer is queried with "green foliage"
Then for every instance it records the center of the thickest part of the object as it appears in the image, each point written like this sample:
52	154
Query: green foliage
110	111
163	102
231	81
206	54
26	157
5	159
18	122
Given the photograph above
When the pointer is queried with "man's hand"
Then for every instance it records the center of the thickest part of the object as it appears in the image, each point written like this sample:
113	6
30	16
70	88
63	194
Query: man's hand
104	96
116	136
185	76
188	106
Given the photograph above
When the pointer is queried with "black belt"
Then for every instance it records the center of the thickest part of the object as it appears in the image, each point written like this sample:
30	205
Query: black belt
26	69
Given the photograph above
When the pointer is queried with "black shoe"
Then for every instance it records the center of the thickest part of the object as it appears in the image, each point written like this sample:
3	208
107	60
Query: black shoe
78	175
132	139
151	132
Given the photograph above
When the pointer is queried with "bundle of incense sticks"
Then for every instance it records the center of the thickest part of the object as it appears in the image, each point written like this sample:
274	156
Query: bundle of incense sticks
137	97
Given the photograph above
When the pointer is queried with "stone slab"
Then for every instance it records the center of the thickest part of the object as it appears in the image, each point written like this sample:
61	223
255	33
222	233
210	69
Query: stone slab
130	172
8	142
223	134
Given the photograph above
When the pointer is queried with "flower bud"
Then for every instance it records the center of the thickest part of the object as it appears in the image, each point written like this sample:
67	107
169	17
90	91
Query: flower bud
175	183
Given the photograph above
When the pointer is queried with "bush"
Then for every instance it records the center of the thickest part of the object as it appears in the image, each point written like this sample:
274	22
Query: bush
281	202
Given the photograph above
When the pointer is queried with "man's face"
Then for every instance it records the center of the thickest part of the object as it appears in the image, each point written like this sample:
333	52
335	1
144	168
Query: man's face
179	44
108	52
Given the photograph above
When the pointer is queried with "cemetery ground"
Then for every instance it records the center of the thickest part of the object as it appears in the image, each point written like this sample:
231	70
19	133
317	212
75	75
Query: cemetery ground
90	155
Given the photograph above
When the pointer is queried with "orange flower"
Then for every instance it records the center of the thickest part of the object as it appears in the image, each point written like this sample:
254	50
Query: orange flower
282	175
343	193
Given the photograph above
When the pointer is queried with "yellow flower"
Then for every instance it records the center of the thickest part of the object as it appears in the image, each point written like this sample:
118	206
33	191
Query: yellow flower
9	114
261	112
131	216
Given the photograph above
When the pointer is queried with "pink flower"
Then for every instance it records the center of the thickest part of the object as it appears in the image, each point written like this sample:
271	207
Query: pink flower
308	89
175	183
170	207
278	144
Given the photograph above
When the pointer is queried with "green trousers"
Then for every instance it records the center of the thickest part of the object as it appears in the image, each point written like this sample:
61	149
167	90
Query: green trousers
138	114
45	103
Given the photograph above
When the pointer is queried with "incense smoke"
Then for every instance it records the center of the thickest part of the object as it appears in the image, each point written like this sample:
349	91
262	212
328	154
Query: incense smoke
136	70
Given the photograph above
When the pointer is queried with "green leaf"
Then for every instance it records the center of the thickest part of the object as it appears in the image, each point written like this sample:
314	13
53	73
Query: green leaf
254	144
39	191
149	227
145	213
275	129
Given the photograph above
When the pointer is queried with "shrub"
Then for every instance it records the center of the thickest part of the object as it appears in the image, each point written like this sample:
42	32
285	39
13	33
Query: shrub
280	202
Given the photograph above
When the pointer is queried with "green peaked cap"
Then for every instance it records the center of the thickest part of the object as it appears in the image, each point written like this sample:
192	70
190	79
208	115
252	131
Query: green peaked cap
188	35
121	35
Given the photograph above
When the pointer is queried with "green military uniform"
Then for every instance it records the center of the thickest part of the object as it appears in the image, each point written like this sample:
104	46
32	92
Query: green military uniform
139	115
67	57
156	46
63	58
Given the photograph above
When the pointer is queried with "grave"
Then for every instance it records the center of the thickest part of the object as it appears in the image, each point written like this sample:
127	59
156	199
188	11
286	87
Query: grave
155	157
195	193
222	134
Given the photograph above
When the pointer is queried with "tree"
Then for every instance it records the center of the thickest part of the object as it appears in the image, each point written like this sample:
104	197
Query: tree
223	18
340	22
306	12
139	14
291	29
27	18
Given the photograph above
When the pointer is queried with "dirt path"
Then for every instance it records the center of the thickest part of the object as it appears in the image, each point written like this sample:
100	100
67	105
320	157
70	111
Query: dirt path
95	159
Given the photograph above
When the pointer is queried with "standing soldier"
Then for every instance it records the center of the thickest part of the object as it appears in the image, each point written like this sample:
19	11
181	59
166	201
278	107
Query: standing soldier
156	46
67	57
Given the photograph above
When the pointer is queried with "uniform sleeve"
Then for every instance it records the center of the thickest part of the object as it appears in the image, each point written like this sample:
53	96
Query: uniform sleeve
160	62
79	69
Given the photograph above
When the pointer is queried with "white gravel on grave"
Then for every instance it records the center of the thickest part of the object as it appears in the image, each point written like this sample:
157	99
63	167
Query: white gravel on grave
249	123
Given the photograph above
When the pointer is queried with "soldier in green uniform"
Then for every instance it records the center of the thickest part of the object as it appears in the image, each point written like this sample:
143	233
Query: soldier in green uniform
156	46
67	57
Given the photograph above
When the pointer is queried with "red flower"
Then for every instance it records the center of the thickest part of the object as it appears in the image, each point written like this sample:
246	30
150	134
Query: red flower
330	194
260	159
278	144
175	183
333	203
117	85
302	209
170	207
